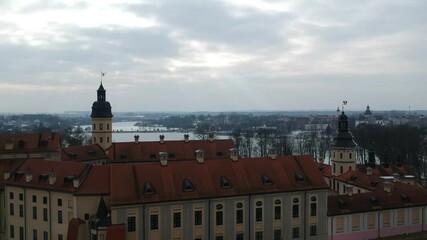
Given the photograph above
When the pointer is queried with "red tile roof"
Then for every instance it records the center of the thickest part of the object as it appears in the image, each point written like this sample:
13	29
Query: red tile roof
177	150
116	232
401	195
40	169
8	165
23	143
73	228
245	175
325	169
83	153
97	181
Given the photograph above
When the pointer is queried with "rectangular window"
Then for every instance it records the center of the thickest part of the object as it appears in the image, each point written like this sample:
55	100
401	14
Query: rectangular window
11	209
60	237
258	235
101	126
198	217
400	216
34	198
108	139
21	233
371	220
415	215
21	197
44	200
313	230
45	214
313	209
277	212
59	202
34	212
295	232
12	231
219	238
154	221
355	222
101	139
34	234
340	224
45	235
295	211
94	139
239	216
277	234
21	210
11	195
60	216
239	236
94	126
131	224
258	214
177	219
108	126
219	216
386	218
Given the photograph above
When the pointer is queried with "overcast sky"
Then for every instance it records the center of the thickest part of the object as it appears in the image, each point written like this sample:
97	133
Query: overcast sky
213	55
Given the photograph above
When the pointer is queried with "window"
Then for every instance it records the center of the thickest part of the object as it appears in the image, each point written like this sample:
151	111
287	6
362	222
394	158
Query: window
34	212
313	209
59	202
415	215
45	235
277	234
34	234
295	211
11	195
108	139
219	238
44	200
386	219
101	139
21	233
349	155
258	211
101	126
177	219
239	216
11	209
60	216
258	235
21	197
355	222
198	218
277	212
108	126
60	237
34	198
239	236
154	221
12	231
400	216
94	126
131	224
334	166
45	214
339	224
21	210
341	155
313	230
341	169
218	217
295	232
94	139
371	220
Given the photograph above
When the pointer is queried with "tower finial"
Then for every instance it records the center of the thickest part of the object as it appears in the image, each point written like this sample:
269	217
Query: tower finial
102	75
343	104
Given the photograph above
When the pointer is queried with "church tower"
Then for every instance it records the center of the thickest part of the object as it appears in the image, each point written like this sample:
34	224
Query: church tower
343	148
101	120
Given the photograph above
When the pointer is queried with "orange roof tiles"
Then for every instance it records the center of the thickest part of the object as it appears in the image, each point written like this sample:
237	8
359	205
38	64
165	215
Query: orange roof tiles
96	181
22	143
116	232
83	153
8	165
127	181
177	150
73	228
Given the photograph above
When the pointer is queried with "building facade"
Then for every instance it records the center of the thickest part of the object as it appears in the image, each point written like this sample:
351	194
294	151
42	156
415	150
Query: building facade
102	132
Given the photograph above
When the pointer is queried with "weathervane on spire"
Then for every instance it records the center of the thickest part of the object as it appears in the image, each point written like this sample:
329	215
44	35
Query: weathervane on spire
102	75
343	104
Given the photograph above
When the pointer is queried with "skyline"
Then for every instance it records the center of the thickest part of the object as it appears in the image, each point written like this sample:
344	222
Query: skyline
234	55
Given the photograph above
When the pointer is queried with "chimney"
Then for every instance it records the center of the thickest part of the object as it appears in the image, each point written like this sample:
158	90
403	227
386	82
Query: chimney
162	139
234	154
186	138
6	175
29	175
52	178
387	186
200	156
136	138
76	182
272	153
396	177
369	171
349	190
163	158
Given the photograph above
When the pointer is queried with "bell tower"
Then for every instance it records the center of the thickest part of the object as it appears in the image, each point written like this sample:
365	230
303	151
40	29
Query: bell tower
343	148
102	132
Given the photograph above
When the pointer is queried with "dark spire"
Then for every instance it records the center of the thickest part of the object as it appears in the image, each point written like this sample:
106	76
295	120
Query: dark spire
344	138
101	108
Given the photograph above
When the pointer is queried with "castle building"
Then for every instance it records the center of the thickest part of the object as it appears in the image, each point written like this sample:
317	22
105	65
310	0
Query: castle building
102	132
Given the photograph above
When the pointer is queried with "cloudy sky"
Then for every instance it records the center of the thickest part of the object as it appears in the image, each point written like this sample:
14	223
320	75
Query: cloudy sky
213	55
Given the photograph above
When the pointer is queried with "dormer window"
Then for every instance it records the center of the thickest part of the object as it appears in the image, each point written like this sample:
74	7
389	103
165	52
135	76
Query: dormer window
224	182
148	188
187	185
374	201
266	180
299	177
405	198
341	203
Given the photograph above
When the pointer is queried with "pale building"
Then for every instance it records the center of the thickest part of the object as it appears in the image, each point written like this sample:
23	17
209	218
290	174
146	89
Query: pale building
102	131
